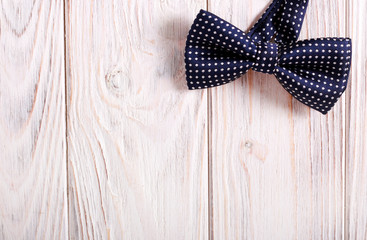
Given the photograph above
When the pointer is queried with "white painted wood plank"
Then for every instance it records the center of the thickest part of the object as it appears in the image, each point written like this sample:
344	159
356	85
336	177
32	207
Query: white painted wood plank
33	202
277	167
356	186
137	137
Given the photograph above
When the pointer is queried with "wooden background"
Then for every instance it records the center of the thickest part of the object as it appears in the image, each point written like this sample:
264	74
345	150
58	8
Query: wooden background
100	139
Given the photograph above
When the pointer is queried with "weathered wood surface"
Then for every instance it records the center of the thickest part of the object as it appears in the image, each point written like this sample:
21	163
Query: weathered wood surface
137	138
33	201
277	166
119	148
356	162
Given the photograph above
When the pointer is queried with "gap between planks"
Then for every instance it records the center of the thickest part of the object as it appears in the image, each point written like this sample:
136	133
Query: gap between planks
210	168
66	116
210	165
346	120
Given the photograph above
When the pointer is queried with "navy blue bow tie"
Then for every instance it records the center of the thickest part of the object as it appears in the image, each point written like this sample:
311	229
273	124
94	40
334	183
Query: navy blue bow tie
313	71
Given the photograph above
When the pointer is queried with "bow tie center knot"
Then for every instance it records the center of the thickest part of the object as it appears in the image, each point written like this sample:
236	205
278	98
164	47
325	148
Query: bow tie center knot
266	57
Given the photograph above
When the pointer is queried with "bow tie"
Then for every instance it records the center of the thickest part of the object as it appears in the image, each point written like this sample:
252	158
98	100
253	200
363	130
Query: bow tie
313	71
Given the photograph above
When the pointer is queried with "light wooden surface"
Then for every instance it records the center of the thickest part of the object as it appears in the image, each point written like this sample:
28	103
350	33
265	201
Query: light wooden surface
100	139
356	162
33	200
138	164
278	167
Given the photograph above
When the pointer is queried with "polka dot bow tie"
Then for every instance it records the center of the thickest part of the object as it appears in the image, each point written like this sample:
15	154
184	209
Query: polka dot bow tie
313	71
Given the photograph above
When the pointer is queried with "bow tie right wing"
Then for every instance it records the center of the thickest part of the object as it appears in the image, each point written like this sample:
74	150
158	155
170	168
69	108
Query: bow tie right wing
316	71
216	52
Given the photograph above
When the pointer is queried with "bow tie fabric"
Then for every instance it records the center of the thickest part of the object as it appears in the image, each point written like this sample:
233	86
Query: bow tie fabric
313	71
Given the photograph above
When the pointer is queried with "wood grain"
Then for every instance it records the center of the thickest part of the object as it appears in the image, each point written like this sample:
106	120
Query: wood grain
277	166
132	154
356	186
33	202
137	138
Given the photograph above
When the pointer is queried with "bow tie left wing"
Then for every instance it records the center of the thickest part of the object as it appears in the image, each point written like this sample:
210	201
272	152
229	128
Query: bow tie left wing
216	52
